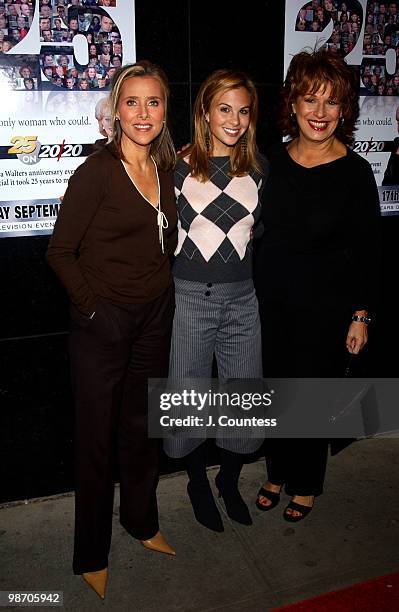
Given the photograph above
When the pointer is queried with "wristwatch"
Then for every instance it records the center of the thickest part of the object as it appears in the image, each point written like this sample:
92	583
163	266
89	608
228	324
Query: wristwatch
361	318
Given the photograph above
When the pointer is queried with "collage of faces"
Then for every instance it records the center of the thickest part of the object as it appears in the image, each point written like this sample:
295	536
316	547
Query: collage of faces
381	33
316	15
15	22
59	22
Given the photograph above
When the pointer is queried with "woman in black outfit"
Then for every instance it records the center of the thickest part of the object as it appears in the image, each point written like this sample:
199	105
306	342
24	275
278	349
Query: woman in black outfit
316	265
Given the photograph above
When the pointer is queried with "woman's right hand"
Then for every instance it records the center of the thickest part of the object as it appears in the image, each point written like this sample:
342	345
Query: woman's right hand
357	337
184	147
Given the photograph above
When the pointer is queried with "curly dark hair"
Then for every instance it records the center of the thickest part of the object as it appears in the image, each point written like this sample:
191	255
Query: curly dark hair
311	71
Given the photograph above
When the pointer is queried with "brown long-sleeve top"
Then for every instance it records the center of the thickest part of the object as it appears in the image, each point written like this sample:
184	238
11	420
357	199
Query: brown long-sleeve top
105	241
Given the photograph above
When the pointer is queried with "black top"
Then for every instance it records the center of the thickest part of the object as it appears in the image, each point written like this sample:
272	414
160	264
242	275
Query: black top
391	175
321	233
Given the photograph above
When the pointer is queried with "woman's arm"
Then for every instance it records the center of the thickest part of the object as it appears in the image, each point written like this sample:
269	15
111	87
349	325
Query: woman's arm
365	254
80	204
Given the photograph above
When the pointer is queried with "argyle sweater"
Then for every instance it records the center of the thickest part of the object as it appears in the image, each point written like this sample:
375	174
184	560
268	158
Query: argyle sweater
215	222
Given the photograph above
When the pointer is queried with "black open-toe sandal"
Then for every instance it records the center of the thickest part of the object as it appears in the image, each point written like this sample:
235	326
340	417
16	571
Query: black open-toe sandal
304	510
273	497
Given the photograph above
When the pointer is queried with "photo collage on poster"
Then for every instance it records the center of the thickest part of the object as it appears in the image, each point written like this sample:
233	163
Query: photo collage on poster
366	34
60	21
381	33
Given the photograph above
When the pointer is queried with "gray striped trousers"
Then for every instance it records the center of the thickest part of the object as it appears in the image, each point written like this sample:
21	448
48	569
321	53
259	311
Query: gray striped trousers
221	320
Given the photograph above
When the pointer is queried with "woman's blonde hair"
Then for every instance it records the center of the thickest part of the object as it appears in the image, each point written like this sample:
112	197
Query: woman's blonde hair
162	149
244	155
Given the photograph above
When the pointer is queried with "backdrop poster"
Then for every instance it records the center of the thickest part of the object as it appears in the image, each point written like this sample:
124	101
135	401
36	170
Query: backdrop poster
366	33
56	62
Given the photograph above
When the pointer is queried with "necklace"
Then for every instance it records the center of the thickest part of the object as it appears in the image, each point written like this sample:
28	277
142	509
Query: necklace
162	221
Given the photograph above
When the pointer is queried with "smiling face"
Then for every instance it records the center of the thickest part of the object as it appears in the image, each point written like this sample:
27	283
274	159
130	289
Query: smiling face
117	48
106	24
25	10
228	119
141	111
317	115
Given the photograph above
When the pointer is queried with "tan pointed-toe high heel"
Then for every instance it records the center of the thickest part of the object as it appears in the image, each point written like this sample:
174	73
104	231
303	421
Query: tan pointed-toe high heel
97	581
159	544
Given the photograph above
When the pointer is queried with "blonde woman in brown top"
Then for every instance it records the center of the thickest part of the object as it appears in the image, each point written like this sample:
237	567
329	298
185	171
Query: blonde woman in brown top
110	249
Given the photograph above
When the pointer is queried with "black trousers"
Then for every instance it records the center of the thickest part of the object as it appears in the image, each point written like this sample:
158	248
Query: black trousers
307	342
112	356
298	464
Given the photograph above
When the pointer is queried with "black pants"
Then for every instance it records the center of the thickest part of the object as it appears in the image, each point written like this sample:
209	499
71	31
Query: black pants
298	464
112	356
309	343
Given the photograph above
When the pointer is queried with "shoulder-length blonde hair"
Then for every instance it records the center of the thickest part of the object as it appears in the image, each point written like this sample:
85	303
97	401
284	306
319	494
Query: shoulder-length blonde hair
244	157
162	149
311	71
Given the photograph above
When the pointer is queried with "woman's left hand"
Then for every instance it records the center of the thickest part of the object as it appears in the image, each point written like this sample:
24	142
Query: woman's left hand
357	337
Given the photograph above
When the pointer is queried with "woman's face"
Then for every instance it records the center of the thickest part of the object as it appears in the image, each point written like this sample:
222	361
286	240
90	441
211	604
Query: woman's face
228	119
93	51
141	111
317	115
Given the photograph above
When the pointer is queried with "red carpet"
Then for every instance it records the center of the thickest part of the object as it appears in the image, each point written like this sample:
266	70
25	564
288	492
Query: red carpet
379	595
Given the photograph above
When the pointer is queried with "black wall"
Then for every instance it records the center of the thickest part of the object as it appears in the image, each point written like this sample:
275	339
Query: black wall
189	39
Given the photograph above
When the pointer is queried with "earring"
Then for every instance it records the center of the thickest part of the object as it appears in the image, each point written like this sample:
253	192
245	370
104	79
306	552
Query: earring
342	121
207	140
244	143
293	117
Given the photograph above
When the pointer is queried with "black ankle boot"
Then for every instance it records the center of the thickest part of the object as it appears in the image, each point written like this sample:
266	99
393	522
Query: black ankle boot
204	506
236	507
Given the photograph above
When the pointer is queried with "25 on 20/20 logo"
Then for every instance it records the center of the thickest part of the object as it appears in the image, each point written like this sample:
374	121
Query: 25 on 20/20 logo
30	151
